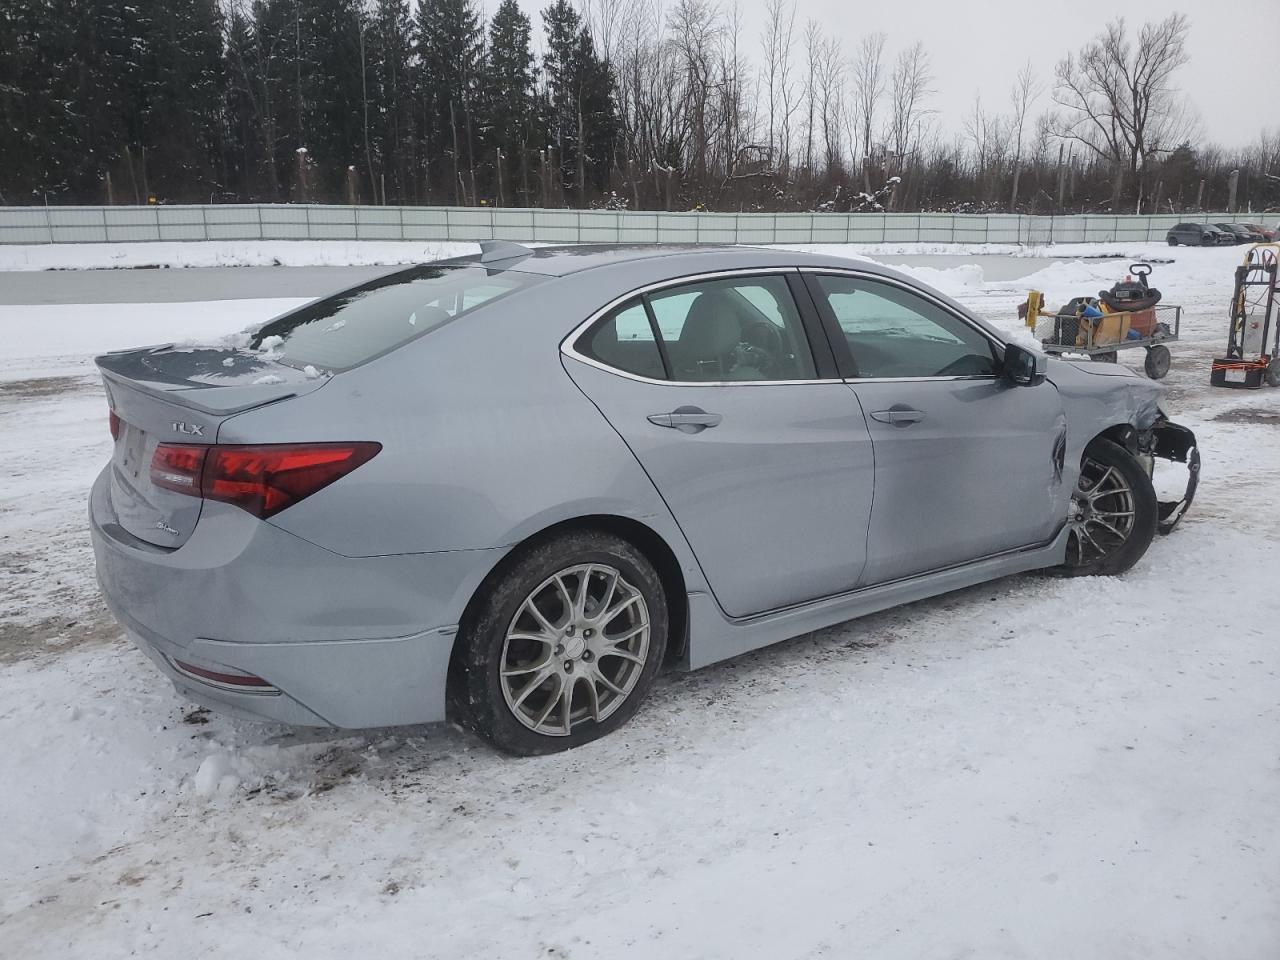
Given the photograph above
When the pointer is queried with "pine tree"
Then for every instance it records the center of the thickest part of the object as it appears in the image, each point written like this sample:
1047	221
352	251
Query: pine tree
581	109
390	41
181	121
329	91
448	40
509	99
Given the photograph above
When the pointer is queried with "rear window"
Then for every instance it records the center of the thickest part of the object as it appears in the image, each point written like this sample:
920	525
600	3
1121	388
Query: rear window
374	318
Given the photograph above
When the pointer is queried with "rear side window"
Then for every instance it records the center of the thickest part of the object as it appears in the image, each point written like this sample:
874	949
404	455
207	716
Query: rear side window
374	318
724	330
624	340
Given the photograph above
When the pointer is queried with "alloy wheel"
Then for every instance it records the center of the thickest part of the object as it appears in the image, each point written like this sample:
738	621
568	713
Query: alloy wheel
575	649
1100	517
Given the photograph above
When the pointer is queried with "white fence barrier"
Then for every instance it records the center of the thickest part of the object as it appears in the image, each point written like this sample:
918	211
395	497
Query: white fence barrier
317	222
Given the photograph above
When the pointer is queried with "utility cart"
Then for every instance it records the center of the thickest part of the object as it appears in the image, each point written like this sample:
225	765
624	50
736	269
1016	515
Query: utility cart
1126	317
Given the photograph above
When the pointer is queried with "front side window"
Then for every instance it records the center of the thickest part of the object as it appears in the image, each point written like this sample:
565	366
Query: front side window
892	332
735	328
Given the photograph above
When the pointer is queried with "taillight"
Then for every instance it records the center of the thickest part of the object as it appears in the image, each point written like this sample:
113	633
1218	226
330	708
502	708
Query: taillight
113	421
263	479
177	467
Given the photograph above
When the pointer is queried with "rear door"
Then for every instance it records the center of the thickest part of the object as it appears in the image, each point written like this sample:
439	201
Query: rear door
967	464
760	451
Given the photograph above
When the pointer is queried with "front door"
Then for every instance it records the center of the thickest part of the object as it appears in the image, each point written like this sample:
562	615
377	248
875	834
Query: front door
766	467
967	464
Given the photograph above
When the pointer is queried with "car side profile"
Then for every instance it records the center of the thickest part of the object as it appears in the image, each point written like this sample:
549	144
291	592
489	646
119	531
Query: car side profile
1198	235
1241	233
510	488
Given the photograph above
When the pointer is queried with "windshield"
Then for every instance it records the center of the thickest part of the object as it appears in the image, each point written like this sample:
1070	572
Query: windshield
355	326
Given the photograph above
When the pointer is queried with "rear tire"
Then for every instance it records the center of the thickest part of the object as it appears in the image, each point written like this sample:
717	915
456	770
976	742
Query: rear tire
1173	242
563	647
1114	513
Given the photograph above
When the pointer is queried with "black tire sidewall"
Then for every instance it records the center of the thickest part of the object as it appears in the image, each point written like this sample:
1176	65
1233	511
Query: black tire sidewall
1145	508
482	636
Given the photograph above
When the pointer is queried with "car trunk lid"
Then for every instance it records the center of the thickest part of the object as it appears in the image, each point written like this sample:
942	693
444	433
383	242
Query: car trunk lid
180	395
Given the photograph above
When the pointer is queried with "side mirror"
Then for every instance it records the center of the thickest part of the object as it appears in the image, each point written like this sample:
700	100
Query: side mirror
1023	367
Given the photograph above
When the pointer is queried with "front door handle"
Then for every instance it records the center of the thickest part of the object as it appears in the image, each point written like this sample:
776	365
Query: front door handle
686	419
900	415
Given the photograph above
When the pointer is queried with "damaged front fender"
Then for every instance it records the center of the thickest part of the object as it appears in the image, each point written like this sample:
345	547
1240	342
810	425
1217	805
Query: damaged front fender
1170	441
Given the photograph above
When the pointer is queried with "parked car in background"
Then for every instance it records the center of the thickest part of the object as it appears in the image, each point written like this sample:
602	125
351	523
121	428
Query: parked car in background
1198	235
512	487
1267	233
1241	233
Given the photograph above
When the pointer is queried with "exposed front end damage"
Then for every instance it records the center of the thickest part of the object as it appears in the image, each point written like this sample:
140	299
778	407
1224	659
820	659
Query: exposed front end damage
1170	441
1106	399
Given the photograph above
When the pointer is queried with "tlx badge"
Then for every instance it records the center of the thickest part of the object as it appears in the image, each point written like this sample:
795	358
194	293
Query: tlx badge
190	429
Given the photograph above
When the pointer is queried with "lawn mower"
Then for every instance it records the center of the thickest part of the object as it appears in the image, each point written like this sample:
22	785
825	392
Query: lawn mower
1128	315
1253	343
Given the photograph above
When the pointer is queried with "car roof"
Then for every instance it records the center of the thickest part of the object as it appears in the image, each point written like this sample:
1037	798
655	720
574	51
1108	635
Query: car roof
559	261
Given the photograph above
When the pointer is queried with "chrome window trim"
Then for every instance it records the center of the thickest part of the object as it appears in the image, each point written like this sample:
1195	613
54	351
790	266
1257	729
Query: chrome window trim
568	344
925	295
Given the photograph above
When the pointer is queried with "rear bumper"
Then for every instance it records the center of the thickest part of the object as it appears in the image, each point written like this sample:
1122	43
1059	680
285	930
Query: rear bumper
346	642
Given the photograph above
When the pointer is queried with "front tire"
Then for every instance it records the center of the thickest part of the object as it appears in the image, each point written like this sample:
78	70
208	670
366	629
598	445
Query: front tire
1113	513
564	645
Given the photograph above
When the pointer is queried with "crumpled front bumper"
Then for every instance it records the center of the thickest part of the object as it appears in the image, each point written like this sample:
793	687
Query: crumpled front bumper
1166	440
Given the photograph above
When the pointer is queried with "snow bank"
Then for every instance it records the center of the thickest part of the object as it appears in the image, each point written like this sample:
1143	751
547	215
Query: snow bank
43	339
310	253
229	253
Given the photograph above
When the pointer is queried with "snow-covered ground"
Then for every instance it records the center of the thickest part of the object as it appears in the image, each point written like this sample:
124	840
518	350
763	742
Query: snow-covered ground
1034	768
321	253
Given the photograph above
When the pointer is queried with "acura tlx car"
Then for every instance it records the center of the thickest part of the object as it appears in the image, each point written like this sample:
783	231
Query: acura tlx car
509	488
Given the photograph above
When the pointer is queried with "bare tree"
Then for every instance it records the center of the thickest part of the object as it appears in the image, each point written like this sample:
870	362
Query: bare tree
831	82
909	89
868	88
1026	90
776	43
1119	100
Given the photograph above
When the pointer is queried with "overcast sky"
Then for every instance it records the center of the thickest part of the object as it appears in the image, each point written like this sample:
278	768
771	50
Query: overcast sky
979	45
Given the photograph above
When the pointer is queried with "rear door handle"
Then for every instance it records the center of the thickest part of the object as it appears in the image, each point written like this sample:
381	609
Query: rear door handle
900	415
686	419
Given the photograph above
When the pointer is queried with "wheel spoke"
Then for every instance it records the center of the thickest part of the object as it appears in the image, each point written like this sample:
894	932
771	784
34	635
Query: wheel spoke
609	594
1104	524
1084	532
629	635
532	685
547	639
594	697
564	597
610	615
538	615
580	601
608	684
617	651
521	670
1113	513
1098	485
567	707
551	703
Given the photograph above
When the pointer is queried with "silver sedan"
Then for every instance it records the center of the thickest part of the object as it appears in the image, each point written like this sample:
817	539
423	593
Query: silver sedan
510	488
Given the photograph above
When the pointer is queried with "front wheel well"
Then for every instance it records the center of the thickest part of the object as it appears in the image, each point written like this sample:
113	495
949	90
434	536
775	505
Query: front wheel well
1123	434
644	538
